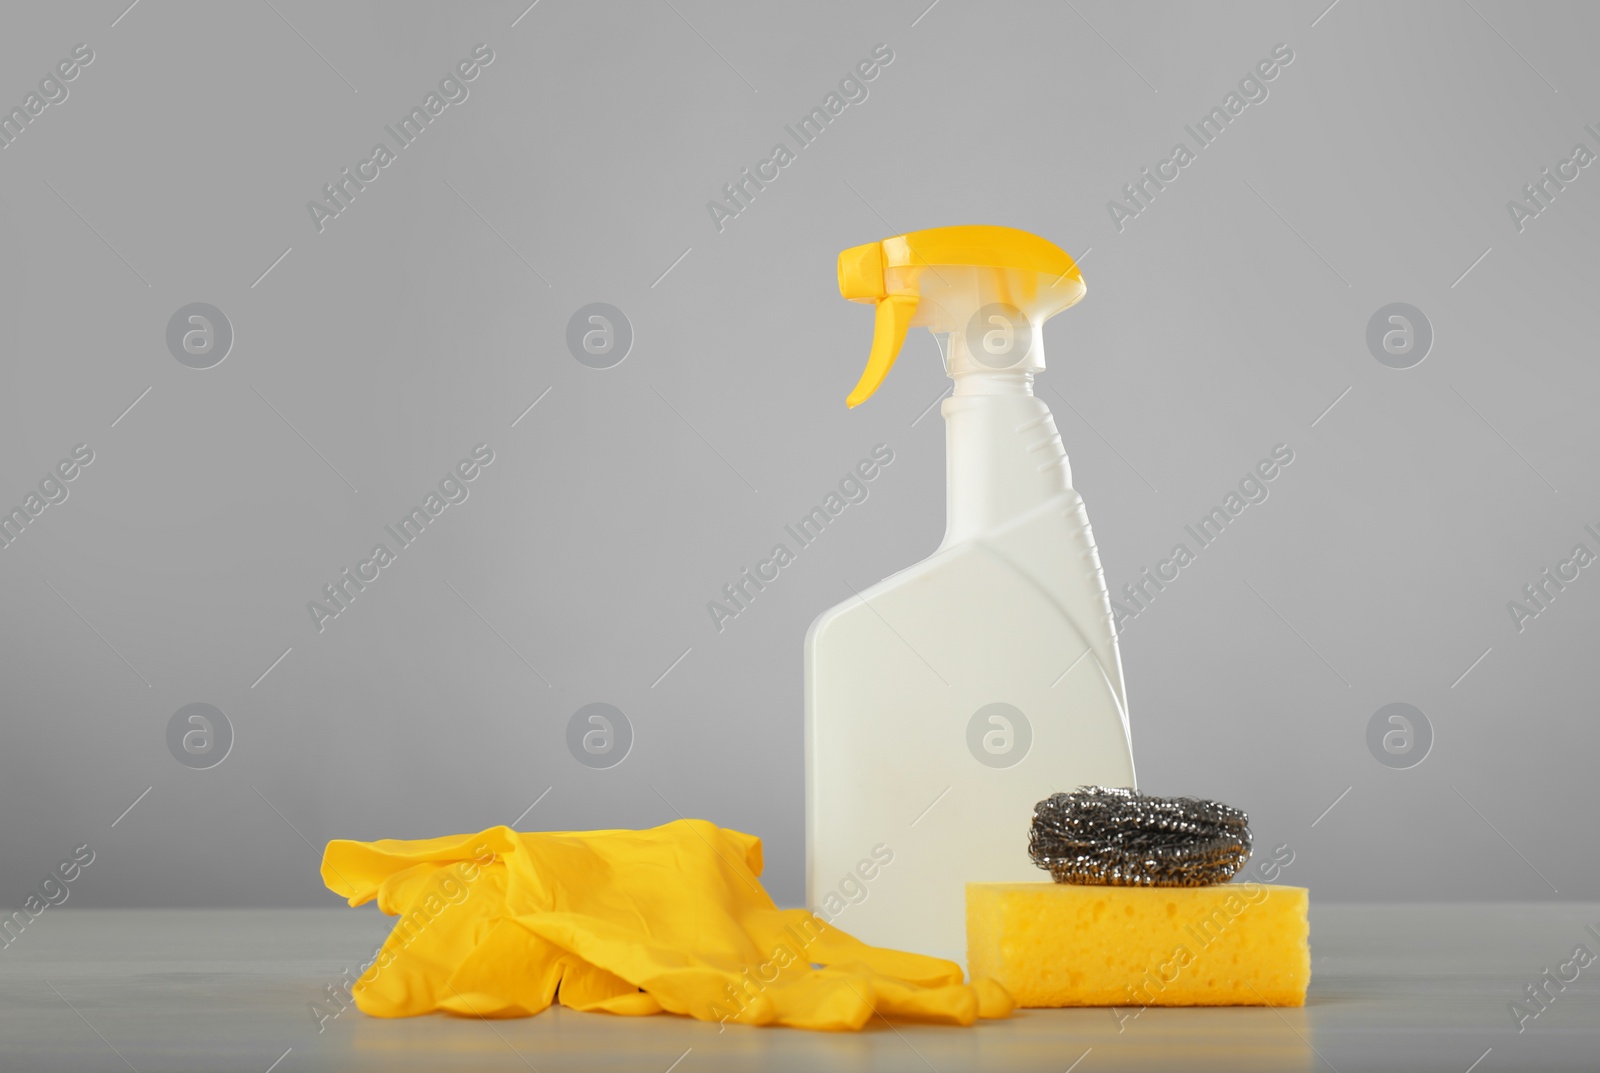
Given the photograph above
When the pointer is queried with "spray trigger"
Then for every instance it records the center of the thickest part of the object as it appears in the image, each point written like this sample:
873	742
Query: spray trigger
983	264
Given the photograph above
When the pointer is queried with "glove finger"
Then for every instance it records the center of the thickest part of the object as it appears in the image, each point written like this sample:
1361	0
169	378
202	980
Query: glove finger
355	870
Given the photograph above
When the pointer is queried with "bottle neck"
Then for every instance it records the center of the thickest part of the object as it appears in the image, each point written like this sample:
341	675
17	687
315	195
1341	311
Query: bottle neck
994	382
1003	455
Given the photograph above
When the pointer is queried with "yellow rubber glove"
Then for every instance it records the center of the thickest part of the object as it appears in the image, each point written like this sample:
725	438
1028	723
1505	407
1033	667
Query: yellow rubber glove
500	923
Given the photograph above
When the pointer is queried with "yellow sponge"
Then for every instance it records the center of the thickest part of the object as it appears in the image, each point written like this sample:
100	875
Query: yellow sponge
1062	944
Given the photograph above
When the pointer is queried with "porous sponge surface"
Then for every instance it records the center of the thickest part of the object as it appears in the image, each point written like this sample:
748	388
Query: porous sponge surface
1061	944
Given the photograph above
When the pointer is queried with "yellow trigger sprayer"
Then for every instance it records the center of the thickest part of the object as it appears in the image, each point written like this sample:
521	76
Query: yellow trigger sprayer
975	682
944	277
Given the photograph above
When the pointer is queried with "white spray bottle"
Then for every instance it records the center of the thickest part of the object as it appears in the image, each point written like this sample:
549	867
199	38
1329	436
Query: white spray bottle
945	700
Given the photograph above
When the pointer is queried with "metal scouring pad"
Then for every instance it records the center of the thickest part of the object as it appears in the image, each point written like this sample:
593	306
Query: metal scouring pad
1109	836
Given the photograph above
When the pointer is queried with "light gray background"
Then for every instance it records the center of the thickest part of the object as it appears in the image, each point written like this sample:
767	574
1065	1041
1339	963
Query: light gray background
1224	320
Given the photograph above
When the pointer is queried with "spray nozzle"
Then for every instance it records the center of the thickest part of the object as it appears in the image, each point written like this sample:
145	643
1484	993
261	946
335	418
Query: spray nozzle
990	287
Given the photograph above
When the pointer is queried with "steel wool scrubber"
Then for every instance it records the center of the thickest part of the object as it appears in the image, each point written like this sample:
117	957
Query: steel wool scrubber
1109	836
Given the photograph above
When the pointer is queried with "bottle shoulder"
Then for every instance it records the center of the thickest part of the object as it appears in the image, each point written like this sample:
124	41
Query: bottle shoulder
1026	546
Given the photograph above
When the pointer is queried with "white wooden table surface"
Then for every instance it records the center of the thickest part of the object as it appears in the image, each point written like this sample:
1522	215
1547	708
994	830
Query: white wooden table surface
1394	988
